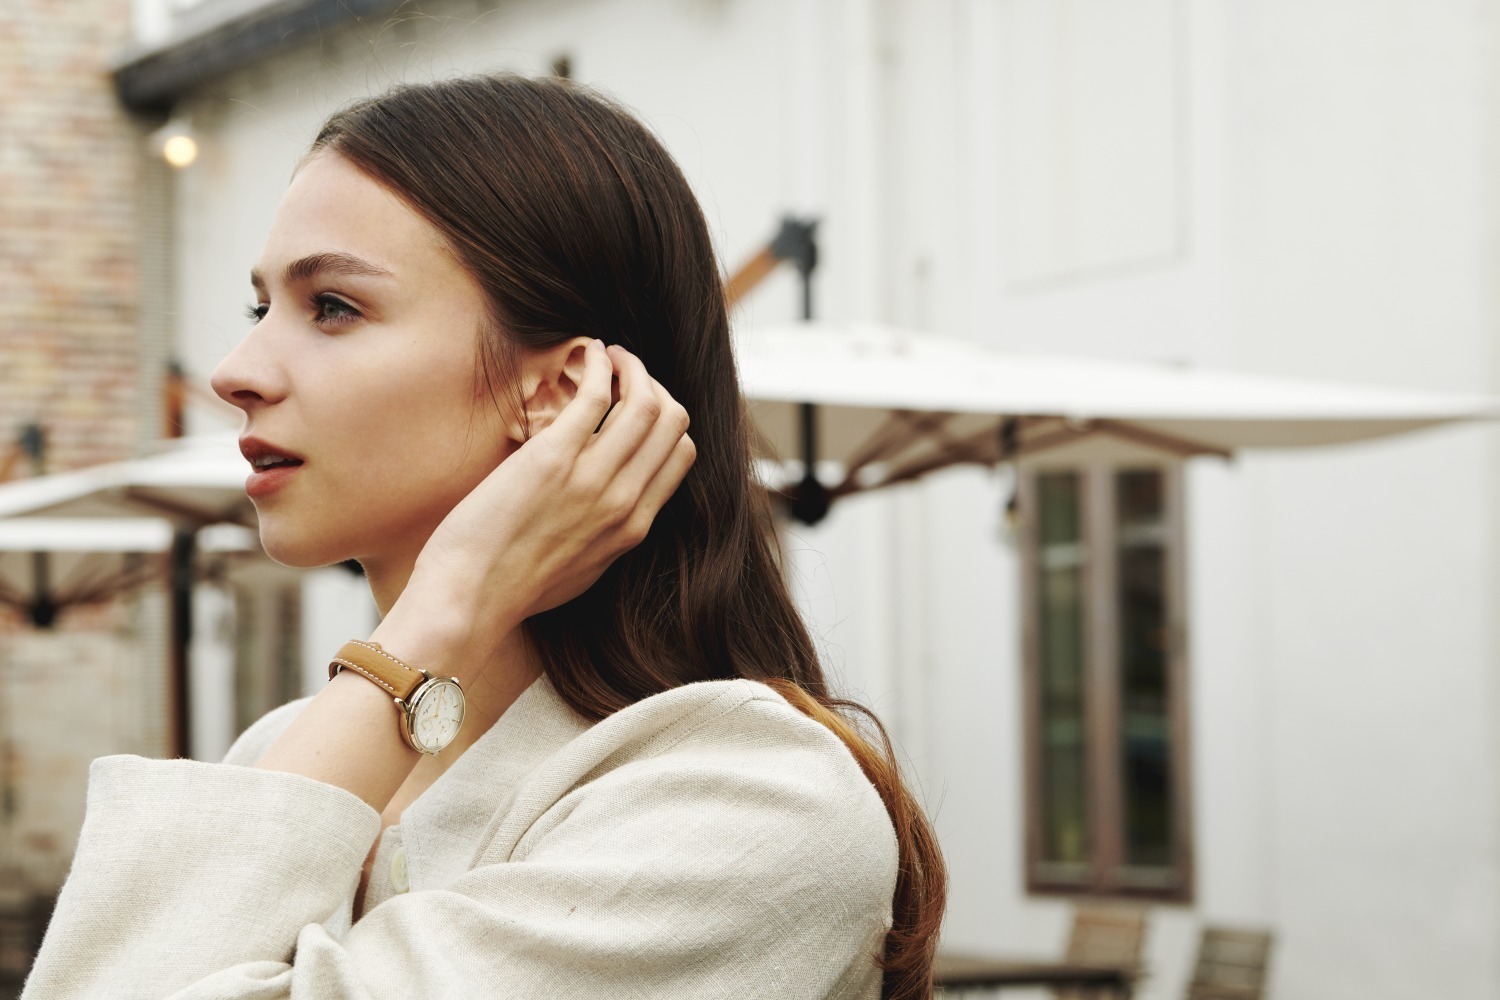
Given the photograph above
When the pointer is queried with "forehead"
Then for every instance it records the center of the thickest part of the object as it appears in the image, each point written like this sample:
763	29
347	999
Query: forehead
333	207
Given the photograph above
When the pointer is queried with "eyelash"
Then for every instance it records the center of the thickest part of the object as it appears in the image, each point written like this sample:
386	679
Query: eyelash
319	302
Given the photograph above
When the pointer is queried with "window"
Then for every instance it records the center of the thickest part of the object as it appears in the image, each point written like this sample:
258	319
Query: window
1106	752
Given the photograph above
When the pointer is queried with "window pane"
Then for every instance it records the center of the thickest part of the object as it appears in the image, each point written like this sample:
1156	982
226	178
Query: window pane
1145	729
1060	562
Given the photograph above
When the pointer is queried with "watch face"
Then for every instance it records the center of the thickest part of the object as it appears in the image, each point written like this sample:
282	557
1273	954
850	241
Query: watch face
436	715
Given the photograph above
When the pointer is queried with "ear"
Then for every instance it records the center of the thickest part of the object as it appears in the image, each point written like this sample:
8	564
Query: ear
549	381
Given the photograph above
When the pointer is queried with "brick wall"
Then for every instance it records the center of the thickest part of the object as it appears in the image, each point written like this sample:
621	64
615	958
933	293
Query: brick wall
76	250
70	165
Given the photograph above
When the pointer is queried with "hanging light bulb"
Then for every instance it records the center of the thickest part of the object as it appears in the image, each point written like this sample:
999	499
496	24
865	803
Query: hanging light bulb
180	151
175	143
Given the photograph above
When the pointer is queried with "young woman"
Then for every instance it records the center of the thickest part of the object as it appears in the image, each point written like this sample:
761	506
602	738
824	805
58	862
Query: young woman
589	750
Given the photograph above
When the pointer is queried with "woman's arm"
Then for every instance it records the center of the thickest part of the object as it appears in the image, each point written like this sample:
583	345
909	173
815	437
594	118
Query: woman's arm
535	533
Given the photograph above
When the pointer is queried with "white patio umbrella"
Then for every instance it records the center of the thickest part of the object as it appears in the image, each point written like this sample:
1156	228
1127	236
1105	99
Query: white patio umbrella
890	405
49	564
192	484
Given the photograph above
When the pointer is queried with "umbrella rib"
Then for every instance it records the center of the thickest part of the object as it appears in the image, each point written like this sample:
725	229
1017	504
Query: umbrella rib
956	451
751	273
88	581
982	448
10	460
896	434
1050	437
101	588
1183	447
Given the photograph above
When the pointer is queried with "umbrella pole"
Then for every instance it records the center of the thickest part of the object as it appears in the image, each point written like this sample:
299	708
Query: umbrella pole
809	499
43	606
184	549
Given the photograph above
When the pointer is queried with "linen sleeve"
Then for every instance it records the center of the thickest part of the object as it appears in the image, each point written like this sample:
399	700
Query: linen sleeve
750	870
185	867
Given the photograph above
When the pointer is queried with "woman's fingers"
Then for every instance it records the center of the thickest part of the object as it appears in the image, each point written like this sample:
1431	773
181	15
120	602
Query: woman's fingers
642	466
579	419
633	418
669	475
641	436
523	549
629	468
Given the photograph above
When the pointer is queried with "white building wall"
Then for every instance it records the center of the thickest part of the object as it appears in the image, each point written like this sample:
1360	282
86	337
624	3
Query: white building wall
1308	185
1358	247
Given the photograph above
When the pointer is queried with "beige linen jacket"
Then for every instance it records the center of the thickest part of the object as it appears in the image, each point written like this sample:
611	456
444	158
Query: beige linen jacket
710	841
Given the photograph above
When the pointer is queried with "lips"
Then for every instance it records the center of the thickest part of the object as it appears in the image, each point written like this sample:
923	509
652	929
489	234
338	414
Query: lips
271	466
261	453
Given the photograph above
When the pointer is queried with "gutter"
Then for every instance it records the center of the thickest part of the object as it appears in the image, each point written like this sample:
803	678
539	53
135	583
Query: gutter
228	35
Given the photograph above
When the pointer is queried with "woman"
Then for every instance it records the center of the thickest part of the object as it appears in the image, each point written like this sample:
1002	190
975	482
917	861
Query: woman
608	774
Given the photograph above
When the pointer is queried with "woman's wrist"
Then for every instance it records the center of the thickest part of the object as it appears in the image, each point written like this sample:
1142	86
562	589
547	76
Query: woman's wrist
442	632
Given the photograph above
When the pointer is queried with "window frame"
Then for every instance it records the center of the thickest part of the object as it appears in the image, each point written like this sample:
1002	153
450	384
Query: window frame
1104	875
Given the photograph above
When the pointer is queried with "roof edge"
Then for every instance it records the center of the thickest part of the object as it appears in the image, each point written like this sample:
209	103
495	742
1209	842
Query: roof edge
154	78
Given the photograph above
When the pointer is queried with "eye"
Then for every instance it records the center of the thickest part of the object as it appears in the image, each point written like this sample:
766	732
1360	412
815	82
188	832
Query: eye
257	311
329	310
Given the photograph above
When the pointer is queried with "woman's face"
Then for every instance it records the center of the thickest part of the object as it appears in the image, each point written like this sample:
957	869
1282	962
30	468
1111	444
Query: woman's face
362	366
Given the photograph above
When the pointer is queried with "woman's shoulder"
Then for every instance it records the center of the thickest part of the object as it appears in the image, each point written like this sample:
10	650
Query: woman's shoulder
725	787
729	755
736	724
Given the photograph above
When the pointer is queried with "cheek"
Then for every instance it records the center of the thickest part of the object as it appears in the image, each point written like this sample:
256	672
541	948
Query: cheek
431	449
402	437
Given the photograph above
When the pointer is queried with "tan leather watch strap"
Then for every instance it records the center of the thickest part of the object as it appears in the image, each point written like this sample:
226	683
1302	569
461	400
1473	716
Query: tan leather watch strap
385	670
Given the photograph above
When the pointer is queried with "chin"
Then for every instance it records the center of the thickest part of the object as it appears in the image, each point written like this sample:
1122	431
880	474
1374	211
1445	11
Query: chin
298	550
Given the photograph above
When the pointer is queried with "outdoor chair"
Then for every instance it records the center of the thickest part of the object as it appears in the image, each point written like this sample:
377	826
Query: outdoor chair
1231	965
1104	936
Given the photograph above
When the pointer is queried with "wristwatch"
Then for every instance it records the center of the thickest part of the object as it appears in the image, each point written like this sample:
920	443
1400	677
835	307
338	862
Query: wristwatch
431	708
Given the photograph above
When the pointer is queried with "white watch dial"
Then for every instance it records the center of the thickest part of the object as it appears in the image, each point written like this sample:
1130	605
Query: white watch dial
437	715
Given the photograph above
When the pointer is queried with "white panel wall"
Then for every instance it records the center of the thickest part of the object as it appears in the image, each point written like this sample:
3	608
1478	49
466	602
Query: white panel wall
1359	232
1089	116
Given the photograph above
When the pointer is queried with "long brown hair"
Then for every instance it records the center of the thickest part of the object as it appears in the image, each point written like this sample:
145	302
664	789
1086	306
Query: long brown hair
576	222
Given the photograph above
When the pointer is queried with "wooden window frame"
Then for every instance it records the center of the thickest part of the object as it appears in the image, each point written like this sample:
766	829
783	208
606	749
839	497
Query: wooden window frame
1105	876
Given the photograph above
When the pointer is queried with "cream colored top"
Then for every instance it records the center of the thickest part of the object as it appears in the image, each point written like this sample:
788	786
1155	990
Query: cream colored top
710	841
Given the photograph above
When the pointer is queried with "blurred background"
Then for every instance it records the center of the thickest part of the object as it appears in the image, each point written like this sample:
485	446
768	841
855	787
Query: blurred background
1253	691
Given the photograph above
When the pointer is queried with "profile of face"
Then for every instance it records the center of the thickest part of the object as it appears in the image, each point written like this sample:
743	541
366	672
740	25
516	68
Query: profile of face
363	365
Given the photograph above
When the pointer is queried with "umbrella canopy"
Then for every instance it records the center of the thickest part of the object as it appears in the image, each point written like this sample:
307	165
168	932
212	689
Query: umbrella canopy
50	564
889	405
195	481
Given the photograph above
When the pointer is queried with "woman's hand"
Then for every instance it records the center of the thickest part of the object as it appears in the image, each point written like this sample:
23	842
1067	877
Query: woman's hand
537	531
545	524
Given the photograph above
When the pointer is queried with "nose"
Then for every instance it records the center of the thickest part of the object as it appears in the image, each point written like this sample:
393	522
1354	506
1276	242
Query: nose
249	377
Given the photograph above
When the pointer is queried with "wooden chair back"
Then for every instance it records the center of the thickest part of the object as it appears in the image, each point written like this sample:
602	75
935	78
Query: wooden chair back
1114	935
1107	936
1231	965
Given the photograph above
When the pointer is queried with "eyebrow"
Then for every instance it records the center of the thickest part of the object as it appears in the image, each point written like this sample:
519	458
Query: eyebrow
320	263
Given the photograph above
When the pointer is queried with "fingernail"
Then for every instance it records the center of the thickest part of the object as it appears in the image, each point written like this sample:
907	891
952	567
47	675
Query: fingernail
600	344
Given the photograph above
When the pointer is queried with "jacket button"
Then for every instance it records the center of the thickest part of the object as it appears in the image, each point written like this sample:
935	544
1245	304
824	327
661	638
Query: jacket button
399	880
